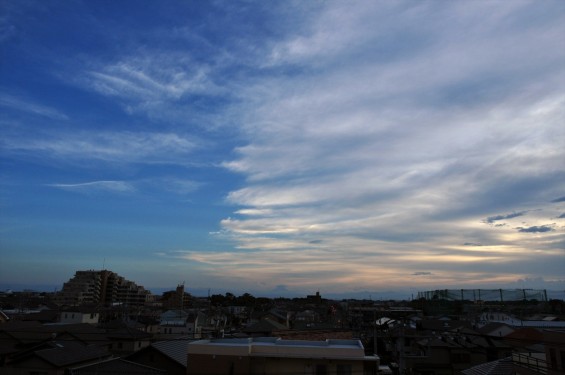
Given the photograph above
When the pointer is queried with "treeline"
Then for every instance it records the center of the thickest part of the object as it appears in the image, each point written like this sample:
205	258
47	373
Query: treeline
245	299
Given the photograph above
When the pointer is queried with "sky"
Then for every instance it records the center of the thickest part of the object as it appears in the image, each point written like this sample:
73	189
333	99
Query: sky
284	147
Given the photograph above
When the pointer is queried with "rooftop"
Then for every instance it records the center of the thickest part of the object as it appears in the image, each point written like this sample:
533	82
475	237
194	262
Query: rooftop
277	347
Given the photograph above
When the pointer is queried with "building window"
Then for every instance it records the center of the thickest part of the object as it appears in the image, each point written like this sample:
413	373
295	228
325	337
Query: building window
344	370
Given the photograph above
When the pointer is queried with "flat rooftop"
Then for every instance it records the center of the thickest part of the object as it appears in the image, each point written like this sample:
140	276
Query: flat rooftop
277	347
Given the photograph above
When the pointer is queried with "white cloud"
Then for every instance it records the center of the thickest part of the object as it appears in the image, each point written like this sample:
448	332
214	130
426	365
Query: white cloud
115	147
159	84
180	187
97	186
24	105
176	185
407	134
377	137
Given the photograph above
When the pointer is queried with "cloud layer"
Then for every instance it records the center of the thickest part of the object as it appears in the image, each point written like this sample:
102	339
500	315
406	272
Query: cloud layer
320	145
390	142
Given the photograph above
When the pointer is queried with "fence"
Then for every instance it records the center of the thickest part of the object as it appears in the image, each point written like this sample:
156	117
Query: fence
501	295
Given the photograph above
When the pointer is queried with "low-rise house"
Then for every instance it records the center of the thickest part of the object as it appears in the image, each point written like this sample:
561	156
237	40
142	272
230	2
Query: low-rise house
496	329
264	328
150	324
276	356
308	316
443	347
181	323
170	356
53	358
500	317
236	310
128	340
79	314
17	336
442	355
42	316
84	333
525	338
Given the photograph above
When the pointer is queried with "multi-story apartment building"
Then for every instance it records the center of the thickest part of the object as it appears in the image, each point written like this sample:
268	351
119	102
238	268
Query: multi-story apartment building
101	287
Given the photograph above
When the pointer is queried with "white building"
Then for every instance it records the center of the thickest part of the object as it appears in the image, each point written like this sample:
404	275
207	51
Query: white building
74	316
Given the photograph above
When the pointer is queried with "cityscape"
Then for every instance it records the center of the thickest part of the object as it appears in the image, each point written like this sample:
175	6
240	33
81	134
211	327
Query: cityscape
102	323
320	187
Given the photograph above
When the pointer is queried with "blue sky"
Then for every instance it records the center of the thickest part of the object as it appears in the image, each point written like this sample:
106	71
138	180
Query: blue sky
284	147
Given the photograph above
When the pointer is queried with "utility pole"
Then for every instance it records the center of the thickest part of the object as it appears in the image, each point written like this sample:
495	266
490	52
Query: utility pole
374	330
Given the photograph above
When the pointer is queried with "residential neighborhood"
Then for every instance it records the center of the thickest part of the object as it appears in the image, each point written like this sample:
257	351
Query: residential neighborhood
177	333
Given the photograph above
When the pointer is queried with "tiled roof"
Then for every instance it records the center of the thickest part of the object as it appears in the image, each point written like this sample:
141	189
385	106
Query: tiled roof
64	353
175	349
443	325
116	366
265	325
499	367
84	309
82	331
117	324
493	326
526	335
128	334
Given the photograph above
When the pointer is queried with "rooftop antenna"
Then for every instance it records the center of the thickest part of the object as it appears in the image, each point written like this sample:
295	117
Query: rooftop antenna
103	264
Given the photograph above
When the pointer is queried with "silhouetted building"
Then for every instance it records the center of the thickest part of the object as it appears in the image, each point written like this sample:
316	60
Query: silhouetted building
177	299
101	288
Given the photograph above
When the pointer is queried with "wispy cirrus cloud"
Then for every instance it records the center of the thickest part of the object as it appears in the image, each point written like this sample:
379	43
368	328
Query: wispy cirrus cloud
409	146
108	146
178	186
181	186
144	80
164	85
23	105
371	142
97	186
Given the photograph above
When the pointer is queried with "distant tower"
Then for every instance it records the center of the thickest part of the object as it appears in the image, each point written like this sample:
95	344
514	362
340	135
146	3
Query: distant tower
180	295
